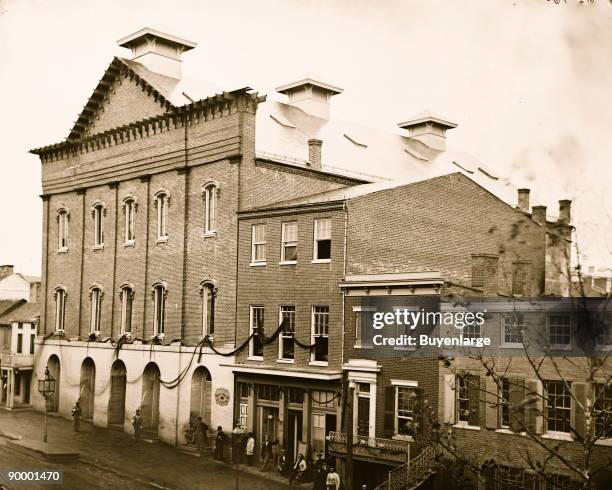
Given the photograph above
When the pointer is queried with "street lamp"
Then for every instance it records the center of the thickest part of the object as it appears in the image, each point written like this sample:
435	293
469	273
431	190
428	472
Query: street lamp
46	387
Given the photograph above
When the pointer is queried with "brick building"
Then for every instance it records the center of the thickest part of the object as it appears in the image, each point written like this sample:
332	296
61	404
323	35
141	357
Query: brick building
213	253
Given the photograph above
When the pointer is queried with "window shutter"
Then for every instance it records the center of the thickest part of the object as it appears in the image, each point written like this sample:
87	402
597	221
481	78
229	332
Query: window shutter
449	399
419	409
534	410
389	411
473	383
517	397
579	392
492	404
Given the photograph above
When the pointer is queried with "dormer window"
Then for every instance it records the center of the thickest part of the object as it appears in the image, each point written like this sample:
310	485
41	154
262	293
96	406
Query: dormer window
209	194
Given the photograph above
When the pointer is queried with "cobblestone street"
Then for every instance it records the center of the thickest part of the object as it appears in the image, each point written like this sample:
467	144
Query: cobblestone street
111	459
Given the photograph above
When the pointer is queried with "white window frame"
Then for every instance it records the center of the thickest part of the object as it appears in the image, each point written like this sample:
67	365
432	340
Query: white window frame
313	335
358	313
60	309
285	243
260	243
252	355
401	384
162	202
556	434
208	290
160	293
98	211
62	230
503	317
129	209
127	294
95	309
504	402
316	239
210	195
355	377
283	335
567	346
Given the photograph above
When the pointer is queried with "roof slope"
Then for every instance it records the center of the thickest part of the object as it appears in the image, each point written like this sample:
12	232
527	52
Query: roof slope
24	312
7	305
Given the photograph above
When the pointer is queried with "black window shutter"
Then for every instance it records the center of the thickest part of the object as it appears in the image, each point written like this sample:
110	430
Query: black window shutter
517	413
473	384
389	411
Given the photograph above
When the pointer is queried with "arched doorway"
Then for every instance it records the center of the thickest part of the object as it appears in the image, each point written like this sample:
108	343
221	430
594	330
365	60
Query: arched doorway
116	404
150	398
201	395
54	370
87	388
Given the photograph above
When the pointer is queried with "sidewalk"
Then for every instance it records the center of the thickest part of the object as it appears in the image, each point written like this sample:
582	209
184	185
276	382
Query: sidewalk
160	464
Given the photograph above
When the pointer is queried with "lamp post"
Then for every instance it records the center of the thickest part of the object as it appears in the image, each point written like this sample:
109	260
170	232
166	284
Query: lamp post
46	387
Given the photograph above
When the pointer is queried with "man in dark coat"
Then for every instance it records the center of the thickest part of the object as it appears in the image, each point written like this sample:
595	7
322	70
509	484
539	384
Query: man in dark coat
219	443
320	473
76	415
201	435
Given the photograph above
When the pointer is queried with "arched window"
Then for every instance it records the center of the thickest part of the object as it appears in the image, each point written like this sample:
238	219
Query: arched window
60	308
129	209
126	294
209	194
162	201
62	230
209	293
95	294
98	212
159	308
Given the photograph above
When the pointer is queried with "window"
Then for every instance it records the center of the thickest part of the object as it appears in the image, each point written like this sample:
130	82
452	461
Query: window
362	410
318	432
210	208
323	399
285	342
322	240
559	330
267	392
405	402
19	343
558	406
258	244
208	309
60	309
468	400
295	396
257	326
320	333
602	411
161	203
505	403
471	331
159	309
604	329
513	325
95	295
98	218
62	230
127	298
130	219
32	342
520	278
289	242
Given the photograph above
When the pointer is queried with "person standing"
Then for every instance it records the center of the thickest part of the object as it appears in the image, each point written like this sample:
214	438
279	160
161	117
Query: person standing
249	450
237	443
137	424
201	435
299	470
219	443
320	473
266	452
282	465
76	416
333	479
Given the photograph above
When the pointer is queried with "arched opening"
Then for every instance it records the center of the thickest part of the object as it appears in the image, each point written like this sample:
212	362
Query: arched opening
201	395
87	390
54	370
116	404
150	398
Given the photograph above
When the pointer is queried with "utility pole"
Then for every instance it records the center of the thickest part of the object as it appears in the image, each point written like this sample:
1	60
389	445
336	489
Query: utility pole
349	437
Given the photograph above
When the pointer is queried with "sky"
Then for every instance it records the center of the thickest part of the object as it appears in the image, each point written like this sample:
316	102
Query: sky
527	81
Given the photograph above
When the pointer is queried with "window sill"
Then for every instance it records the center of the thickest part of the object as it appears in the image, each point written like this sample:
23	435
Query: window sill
287	262
286	361
603	348
466	426
363	346
131	243
257	264
561	347
98	247
558	436
320	261
255	358
318	363
62	250
505	431
403	347
161	239
210	234
603	442
399	437
511	346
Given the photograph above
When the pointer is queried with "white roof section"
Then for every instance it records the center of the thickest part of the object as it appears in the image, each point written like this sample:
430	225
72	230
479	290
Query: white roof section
308	81
427	116
127	41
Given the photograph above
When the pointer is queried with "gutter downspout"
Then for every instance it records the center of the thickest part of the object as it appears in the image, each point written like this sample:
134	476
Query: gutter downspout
344	207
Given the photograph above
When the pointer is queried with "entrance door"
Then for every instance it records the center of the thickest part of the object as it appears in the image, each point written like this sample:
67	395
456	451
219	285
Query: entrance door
88	388
294	433
54	370
27	381
116	405
268	420
150	398
201	396
363	416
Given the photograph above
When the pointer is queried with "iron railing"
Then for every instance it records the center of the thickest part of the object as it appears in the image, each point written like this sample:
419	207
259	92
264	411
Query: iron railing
16	360
372	442
408	475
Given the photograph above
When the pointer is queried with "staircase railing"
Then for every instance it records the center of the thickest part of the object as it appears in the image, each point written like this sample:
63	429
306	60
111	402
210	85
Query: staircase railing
410	474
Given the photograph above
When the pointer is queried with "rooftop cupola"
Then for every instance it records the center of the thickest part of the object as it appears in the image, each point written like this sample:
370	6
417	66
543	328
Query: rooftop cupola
429	129
311	96
158	51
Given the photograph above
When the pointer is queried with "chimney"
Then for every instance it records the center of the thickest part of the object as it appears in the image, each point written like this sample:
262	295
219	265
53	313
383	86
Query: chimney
158	51
485	273
6	270
538	213
523	200
311	96
564	211
428	129
314	152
